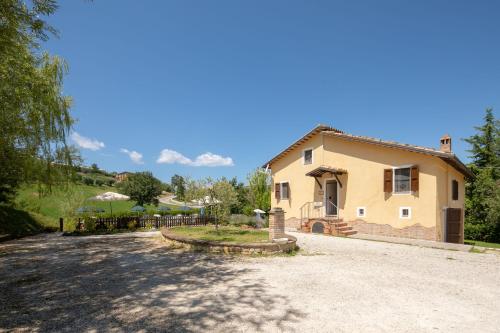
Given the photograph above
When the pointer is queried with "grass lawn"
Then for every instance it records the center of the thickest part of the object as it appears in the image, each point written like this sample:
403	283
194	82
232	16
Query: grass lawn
52	206
45	211
225	234
483	244
17	223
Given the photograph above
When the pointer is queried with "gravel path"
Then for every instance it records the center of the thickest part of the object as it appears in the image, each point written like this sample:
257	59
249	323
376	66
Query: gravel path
133	282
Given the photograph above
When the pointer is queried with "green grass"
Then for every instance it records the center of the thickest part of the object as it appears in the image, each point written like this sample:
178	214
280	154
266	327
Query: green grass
225	234
483	244
52	205
19	223
62	202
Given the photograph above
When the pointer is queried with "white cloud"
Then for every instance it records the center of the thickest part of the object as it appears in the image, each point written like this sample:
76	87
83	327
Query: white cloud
209	159
135	156
168	156
86	143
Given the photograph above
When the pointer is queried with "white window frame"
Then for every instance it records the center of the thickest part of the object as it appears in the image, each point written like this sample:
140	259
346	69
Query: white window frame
357	211
281	190
401	213
394	179
304	156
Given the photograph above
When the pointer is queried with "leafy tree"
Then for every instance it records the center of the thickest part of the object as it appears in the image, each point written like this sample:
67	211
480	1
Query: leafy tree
95	168
34	117
485	150
259	192
242	196
179	186
482	203
142	187
218	196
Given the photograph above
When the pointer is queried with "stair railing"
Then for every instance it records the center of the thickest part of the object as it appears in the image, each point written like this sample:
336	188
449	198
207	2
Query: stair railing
309	210
334	205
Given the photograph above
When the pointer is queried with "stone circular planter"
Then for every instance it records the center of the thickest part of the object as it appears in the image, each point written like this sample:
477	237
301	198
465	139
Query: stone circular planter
282	246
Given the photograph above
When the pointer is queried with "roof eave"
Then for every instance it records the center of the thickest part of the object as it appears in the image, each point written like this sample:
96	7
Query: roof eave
318	129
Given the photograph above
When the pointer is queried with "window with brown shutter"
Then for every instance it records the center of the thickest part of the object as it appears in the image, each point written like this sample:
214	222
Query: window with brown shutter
277	191
454	190
414	178
387	180
285	191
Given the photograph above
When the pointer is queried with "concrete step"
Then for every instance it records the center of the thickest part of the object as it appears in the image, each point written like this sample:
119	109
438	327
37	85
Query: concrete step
344	228
327	219
348	232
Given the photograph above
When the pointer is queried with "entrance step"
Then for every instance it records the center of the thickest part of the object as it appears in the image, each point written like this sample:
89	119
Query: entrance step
348	232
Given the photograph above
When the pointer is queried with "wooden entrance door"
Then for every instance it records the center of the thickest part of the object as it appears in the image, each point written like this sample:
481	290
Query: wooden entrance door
331	198
453	225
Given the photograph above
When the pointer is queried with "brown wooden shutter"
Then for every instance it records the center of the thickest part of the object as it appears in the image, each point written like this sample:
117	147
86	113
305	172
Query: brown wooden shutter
387	180
277	191
414	178
454	190
287	190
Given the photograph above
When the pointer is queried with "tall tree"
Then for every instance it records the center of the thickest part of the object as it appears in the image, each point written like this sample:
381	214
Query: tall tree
142	187
179	186
34	117
482	204
242	196
259	193
485	144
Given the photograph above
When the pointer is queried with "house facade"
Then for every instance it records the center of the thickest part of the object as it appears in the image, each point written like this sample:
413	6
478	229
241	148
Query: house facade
122	176
336	183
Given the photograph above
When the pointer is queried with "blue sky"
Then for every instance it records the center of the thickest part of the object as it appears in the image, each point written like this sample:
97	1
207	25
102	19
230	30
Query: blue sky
241	80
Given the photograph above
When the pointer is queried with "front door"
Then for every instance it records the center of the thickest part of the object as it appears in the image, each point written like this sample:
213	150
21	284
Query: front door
331	198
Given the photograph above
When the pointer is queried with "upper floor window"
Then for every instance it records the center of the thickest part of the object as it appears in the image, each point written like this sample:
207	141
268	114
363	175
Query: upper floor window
402	180
308	156
454	190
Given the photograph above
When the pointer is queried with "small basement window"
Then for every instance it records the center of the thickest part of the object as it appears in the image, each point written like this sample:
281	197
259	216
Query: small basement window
402	180
284	190
454	190
360	212
404	212
308	156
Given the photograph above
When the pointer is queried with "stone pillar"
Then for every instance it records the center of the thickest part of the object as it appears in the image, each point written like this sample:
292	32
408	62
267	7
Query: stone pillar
276	223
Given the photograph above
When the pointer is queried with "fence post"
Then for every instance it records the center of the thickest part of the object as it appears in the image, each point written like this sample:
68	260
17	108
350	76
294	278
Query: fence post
61	224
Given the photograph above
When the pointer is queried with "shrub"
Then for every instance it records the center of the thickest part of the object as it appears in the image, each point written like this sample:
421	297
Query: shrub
132	225
240	219
90	225
88	181
99	182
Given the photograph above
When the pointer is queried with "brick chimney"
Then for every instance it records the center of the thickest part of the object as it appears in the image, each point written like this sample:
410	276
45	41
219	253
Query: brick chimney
445	144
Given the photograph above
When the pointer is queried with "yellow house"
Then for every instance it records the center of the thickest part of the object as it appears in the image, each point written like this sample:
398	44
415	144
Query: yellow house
337	183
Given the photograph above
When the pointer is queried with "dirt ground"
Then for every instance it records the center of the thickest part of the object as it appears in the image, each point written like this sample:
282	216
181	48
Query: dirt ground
134	283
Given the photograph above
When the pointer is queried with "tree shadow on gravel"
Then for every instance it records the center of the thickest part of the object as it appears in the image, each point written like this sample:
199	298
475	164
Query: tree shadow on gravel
131	284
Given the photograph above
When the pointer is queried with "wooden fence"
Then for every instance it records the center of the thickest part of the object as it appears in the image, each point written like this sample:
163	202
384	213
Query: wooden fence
147	222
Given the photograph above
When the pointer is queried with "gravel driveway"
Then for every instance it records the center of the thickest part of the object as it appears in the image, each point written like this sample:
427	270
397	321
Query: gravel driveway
133	282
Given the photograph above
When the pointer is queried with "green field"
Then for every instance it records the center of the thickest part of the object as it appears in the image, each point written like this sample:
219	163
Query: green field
33	213
225	234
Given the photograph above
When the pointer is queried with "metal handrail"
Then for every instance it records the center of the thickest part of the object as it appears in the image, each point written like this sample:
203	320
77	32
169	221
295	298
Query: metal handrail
334	205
